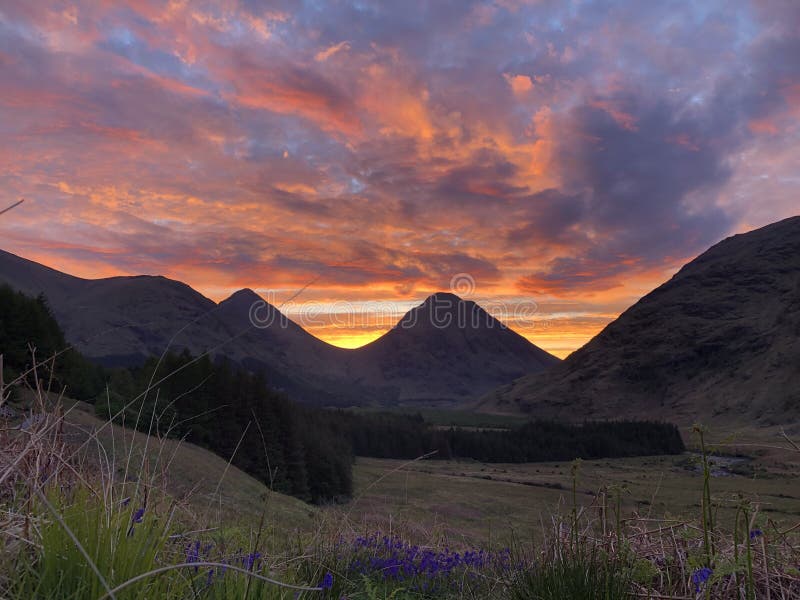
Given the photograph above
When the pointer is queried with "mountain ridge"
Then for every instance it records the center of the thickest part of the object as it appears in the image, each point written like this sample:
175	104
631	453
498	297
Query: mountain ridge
119	321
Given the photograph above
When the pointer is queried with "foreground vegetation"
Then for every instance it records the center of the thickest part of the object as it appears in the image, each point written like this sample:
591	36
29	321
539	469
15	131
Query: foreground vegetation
83	519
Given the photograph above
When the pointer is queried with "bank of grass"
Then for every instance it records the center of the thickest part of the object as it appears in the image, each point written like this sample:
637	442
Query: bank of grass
85	515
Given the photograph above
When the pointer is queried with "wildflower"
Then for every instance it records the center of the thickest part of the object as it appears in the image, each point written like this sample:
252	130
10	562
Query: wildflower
193	553
756	533
327	581
137	517
700	577
250	560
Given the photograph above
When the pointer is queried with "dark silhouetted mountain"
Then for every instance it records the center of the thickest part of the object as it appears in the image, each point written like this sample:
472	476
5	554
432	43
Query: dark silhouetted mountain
721	339
447	349
119	321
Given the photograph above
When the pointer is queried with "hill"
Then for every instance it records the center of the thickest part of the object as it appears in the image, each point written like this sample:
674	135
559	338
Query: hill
721	339
120	321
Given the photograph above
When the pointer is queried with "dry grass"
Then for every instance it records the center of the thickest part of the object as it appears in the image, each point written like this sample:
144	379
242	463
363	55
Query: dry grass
32	452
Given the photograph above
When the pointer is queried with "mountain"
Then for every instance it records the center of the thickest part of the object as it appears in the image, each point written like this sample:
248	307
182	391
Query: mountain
447	349
119	321
720	340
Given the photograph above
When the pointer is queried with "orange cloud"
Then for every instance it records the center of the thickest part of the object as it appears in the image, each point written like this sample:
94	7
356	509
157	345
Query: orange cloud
623	119
520	84
325	54
763	126
399	107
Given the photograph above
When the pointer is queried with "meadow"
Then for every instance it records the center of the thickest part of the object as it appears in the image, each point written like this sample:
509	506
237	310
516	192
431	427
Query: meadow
93	510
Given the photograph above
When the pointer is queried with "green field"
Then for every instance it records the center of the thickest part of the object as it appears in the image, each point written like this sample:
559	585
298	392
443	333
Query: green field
483	502
211	490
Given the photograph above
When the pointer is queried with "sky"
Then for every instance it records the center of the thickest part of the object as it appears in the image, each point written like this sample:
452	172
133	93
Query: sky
553	161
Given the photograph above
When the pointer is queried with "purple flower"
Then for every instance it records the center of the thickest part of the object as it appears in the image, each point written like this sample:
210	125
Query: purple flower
327	581
193	553
137	517
250	560
700	577
424	570
756	533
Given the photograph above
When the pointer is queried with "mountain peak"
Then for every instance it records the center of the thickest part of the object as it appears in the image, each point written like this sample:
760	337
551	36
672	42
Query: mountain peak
443	298
444	310
242	295
246	303
446	348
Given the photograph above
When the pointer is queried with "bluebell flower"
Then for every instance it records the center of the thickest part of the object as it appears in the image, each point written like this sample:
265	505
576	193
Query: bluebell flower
137	517
423	570
756	533
250	560
327	581
700	577
193	553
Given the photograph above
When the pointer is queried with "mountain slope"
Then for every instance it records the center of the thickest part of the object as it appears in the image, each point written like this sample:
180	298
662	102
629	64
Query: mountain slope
719	339
117	320
122	320
447	349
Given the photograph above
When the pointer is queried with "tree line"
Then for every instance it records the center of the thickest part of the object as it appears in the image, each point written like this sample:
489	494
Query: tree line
389	435
234	413
28	333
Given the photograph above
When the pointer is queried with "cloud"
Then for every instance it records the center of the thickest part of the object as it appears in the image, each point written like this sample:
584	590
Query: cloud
520	84
581	152
325	54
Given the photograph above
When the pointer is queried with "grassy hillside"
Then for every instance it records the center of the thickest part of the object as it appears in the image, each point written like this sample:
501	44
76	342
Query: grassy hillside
200	478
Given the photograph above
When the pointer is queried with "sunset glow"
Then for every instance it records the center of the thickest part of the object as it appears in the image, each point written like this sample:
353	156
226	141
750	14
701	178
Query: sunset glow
566	156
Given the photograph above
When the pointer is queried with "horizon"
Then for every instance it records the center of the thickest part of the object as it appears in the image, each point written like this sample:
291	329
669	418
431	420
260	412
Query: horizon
380	316
570	155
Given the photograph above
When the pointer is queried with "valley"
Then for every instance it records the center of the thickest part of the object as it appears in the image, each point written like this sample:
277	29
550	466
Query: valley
477	503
